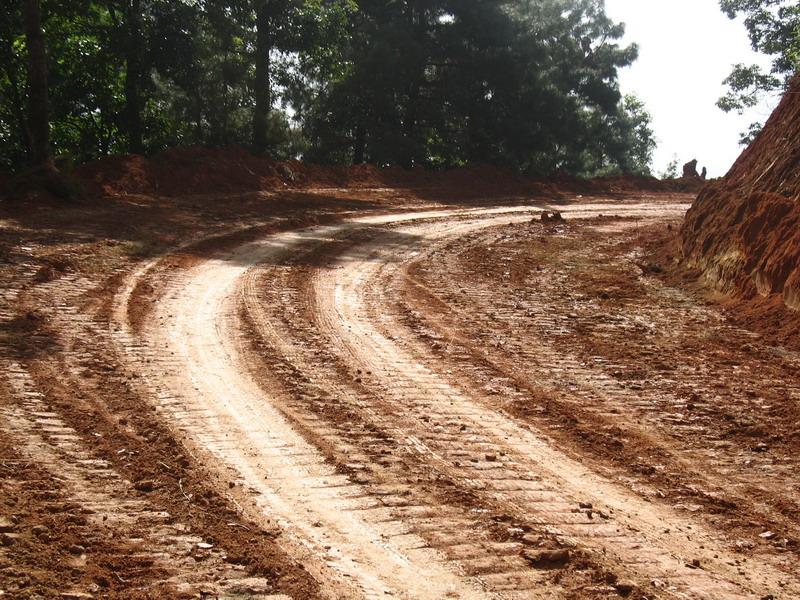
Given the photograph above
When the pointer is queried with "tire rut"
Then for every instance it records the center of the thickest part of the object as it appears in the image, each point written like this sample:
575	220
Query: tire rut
634	533
113	540
301	383
679	407
208	395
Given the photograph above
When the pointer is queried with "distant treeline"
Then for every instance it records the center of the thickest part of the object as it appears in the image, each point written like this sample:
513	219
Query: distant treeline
526	84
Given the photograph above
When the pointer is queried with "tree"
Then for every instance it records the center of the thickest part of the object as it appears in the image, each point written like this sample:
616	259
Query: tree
262	78
526	84
635	137
529	84
133	76
15	144
671	170
38	111
774	29
277	29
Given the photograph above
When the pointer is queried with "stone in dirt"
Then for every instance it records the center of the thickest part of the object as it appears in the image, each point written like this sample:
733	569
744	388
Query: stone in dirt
145	485
532	540
625	587
552	217
544	559
39	530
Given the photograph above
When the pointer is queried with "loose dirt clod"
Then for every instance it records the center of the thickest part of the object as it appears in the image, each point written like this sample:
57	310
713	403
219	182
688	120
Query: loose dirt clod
544	559
552	217
145	485
625	587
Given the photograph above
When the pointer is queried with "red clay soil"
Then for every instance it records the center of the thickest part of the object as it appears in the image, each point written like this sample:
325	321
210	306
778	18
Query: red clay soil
197	170
743	232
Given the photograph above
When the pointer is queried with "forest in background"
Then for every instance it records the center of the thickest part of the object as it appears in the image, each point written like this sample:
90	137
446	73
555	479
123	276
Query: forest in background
529	85
524	84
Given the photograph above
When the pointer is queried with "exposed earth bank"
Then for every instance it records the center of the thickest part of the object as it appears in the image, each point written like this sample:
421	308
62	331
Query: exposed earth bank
743	232
196	170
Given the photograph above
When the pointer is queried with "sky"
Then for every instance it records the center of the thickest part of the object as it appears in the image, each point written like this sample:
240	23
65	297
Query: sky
686	49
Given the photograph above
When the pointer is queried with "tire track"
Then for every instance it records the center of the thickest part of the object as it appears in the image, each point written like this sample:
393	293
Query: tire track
206	392
378	524
678	404
409	483
124	544
353	307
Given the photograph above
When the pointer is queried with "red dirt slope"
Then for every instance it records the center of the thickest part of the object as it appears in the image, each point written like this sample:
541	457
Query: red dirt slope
743	232
196	170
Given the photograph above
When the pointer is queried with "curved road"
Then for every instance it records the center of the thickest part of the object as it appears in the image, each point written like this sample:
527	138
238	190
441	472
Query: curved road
289	369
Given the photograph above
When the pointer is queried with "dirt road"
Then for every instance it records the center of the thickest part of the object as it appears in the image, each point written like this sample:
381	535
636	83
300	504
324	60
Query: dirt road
431	401
412	399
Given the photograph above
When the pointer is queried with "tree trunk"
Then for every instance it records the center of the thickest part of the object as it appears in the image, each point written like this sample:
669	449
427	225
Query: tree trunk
409	158
133	78
360	142
38	112
418	23
261	143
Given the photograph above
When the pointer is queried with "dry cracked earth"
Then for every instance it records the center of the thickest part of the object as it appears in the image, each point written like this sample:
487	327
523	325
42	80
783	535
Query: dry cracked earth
448	402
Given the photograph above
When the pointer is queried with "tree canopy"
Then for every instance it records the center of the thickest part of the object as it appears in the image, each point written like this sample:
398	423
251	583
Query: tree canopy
527	84
774	29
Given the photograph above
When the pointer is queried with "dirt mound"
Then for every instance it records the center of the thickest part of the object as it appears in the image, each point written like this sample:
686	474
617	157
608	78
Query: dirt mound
633	183
128	173
181	171
690	169
197	170
743	231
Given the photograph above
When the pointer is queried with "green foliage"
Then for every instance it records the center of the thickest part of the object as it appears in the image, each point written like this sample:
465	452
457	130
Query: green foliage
530	84
527	84
14	142
748	137
774	29
671	171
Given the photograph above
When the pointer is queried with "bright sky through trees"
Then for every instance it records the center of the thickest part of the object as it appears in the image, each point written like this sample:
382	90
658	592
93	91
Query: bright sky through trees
687	48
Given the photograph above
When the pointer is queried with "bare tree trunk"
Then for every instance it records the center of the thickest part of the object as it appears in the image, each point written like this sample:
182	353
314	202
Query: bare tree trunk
262	83
38	112
133	78
409	154
360	143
